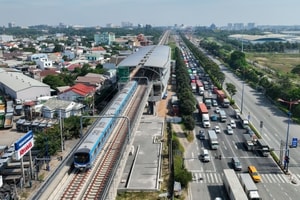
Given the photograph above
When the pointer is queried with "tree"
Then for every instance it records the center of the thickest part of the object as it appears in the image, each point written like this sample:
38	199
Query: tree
296	70
231	89
53	81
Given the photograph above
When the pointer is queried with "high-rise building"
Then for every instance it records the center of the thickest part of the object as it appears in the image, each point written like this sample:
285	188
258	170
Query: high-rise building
105	38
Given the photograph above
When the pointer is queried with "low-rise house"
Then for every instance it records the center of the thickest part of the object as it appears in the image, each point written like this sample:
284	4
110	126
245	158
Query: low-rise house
91	79
55	108
77	92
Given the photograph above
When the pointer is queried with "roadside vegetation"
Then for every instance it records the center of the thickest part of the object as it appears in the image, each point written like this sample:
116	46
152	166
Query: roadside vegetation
276	80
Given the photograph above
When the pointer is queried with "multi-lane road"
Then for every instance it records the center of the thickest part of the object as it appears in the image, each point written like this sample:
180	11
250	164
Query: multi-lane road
207	177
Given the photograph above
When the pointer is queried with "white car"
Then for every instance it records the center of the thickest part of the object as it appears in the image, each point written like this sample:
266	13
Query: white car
217	129
217	110
232	124
229	130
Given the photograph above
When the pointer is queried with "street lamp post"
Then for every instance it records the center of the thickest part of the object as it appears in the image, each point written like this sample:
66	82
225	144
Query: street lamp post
243	87
286	158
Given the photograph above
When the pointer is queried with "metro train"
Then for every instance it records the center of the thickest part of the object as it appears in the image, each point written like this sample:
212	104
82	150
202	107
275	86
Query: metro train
89	149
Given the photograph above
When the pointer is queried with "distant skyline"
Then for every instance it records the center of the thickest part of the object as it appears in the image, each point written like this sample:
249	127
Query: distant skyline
154	12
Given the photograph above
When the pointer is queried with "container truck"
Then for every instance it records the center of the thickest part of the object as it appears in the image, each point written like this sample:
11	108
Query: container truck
222	98
249	186
203	112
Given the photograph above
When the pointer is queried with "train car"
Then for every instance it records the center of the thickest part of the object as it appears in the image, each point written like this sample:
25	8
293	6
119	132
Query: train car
93	143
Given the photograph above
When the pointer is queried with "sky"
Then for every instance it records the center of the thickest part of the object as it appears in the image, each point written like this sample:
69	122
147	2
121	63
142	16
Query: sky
154	12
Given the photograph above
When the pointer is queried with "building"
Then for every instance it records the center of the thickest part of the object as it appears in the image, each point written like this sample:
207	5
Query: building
44	63
19	86
38	56
77	92
6	38
154	60
104	38
91	79
54	108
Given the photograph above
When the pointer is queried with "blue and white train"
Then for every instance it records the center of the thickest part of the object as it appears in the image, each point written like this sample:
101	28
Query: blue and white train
88	151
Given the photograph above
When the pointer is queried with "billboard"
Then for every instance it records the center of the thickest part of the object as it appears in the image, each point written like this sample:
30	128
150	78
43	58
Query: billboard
24	144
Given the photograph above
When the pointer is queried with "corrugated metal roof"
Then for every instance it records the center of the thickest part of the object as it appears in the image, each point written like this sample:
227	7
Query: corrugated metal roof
159	57
18	81
156	56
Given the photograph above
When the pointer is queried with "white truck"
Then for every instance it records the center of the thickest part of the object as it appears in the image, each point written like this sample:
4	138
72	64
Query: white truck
205	120
213	139
249	186
250	141
223	116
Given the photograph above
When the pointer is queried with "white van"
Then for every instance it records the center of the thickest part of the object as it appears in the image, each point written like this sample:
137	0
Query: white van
204	156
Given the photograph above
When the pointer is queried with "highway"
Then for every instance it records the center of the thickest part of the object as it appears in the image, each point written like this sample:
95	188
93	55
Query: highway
207	177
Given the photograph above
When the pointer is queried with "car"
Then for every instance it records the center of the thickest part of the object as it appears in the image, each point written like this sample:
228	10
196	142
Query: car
254	174
217	110
229	130
217	129
214	118
236	163
201	135
214	102
232	124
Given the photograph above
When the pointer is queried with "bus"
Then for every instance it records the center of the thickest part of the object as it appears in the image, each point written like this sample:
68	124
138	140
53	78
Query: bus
213	139
233	186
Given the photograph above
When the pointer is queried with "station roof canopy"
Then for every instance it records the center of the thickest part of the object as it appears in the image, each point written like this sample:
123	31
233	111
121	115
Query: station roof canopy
151	56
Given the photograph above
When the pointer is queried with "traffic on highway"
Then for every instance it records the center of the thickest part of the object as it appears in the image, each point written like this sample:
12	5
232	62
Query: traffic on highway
225	140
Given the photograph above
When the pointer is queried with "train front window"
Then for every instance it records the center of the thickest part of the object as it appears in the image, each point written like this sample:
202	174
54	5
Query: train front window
82	158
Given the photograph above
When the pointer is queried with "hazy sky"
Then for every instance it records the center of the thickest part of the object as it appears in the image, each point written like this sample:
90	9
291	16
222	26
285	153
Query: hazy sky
154	12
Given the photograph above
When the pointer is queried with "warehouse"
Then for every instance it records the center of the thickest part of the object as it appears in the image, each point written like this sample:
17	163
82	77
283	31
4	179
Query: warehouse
19	86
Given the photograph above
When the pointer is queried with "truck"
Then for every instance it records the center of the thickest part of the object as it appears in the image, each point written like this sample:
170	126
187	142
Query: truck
213	139
9	106
200	87
207	98
8	122
249	186
250	141
233	186
222	116
263	147
175	105
203	112
2	119
236	113
222	98
194	88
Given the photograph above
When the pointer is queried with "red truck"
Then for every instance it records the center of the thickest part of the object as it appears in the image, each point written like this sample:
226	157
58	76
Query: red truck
222	98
